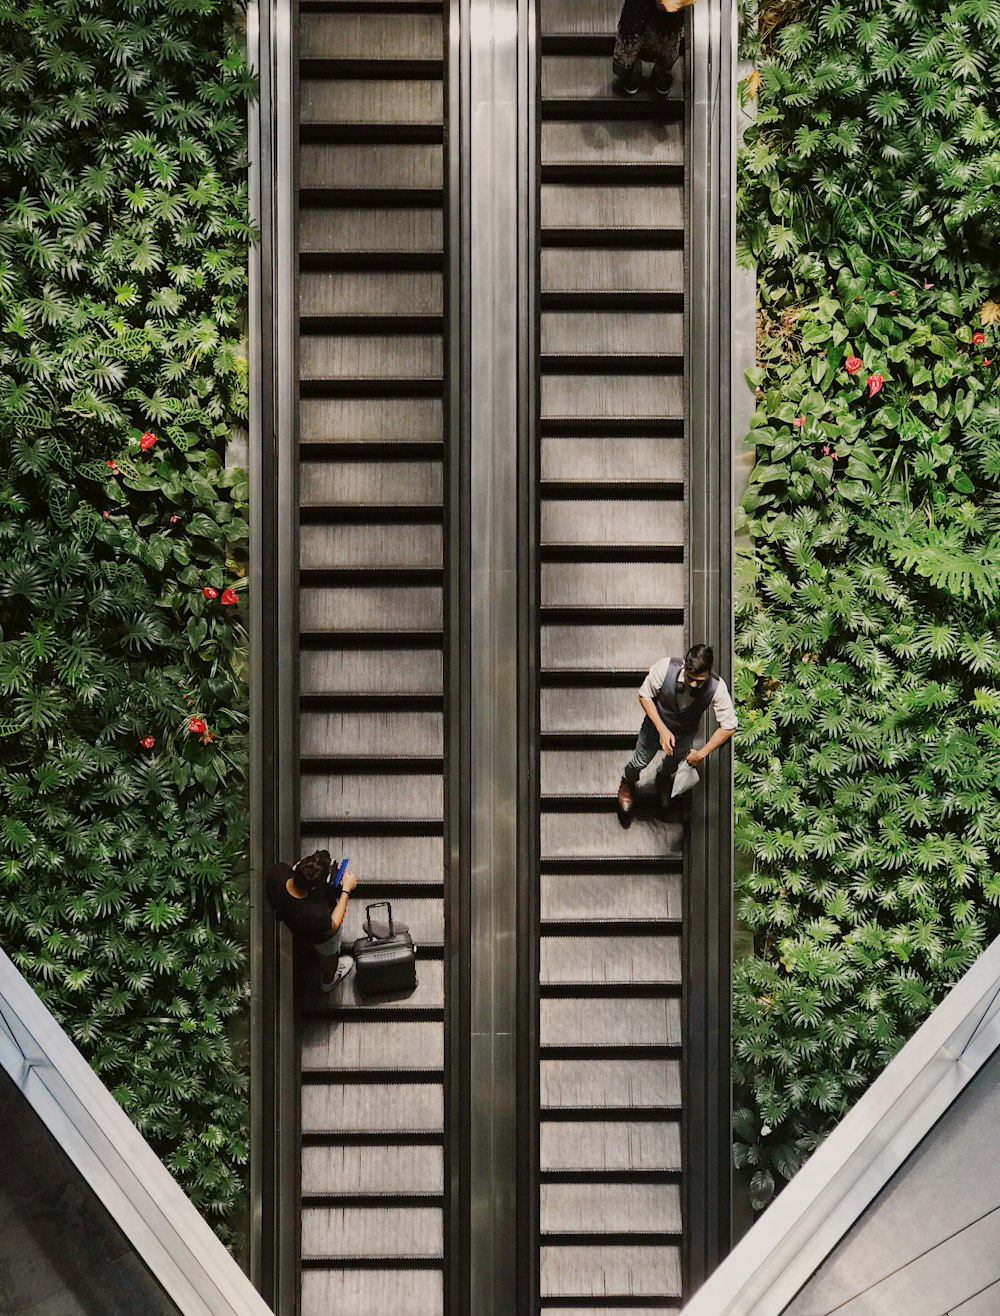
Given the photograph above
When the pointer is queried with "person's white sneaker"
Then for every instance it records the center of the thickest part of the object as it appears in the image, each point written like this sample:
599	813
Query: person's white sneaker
344	966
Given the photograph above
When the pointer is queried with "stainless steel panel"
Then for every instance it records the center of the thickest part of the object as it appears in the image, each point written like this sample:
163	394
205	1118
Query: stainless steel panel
613	459
608	647
371	230
372	795
343	1168
370	356
387	734
612	397
370	36
596	1021
606	1084
585	269
371	1044
613	585
610	1208
584	897
362	671
372	1292
601	1271
370	420
606	1145
377	294
387	100
357	1231
372	484
612	142
372	1107
600	958
623	205
370	608
371	167
371	546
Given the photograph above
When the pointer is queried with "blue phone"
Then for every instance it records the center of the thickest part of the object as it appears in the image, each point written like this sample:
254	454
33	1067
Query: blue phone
340	872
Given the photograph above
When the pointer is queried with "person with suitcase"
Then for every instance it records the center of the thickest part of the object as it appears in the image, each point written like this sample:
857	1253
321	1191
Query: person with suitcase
313	908
674	696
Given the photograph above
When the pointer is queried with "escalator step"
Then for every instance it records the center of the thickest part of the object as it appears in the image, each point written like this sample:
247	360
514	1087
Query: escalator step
607	270
612	460
604	646
370	37
396	1292
401	859
383	101
370	420
343	546
378	1169
603	1021
371	167
580	17
612	142
584	897
581	835
600	959
372	1044
374	294
367	229
588	78
369	357
364	670
613	521
604	1085
372	734
613	585
383	1231
641	1145
596	772
600	333
617	206
608	1271
616	1208
598	397
370	609
346	795
333	1107
370	483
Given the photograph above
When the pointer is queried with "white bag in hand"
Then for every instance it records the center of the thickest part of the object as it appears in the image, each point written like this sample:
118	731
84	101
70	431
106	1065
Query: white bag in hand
685	778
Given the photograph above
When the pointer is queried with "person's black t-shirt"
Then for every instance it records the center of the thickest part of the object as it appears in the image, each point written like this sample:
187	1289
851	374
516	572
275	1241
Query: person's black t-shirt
309	917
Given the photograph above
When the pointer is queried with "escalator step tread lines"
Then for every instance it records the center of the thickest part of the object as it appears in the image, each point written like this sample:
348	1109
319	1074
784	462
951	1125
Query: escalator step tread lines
370	355
613	527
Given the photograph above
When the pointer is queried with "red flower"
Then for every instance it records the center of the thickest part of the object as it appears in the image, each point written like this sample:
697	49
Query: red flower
174	520
147	441
987	360
210	593
928	286
826	450
892	292
147	742
207	738
799	421
198	725
978	338
111	464
875	383
853	364
106	515
229	596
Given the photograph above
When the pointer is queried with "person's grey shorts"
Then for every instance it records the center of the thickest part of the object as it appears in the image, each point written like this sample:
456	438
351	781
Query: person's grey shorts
331	947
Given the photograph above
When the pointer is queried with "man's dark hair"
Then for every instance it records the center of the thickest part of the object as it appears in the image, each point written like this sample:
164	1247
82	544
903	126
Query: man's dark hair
699	660
313	869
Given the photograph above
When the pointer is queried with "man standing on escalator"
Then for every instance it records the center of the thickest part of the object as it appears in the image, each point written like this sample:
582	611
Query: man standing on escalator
674	696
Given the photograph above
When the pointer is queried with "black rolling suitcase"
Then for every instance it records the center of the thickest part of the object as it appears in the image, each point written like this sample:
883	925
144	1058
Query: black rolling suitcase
386	959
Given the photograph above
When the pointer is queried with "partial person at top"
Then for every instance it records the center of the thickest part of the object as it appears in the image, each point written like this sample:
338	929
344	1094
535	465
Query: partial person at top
648	30
674	697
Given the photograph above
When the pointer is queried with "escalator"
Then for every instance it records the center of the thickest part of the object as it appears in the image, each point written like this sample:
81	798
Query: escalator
371	452
613	599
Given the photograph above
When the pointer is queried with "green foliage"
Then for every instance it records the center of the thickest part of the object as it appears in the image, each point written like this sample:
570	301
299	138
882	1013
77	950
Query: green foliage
123	245
867	769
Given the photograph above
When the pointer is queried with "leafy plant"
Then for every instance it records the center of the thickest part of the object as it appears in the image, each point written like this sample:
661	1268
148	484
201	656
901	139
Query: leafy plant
123	240
868	779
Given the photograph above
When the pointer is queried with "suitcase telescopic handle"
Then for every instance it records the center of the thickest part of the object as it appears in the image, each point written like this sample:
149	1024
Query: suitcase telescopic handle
368	917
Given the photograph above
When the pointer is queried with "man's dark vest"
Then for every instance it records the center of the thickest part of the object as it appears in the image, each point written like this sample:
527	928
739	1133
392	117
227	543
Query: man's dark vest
683	722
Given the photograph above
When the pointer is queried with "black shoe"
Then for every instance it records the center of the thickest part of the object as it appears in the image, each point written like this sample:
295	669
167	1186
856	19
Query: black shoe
662	82
628	82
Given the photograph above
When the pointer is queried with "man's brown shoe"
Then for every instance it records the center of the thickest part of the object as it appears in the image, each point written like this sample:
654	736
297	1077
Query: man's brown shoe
626	796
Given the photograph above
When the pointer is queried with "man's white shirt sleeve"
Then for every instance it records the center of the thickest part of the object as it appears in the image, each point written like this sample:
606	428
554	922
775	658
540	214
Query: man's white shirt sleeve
655	677
722	707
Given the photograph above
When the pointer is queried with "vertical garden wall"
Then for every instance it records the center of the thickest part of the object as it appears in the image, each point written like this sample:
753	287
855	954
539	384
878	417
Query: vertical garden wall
123	809
868	766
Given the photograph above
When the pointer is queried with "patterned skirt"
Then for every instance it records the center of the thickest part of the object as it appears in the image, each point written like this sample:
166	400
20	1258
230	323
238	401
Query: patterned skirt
645	31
